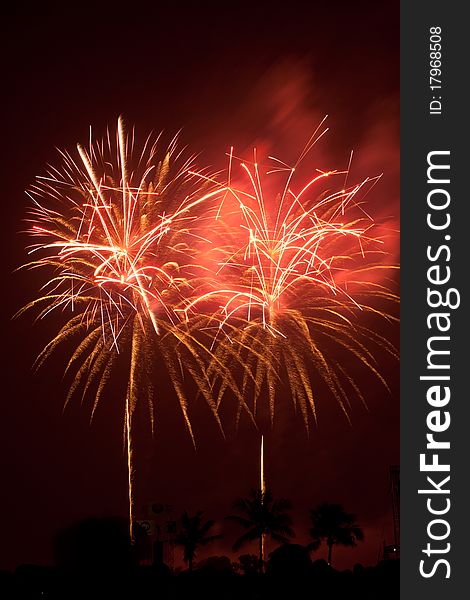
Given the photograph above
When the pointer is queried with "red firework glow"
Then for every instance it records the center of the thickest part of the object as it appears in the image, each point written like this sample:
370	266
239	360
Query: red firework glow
298	268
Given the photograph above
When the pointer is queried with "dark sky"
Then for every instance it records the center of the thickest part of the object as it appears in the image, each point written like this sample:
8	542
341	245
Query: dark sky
266	73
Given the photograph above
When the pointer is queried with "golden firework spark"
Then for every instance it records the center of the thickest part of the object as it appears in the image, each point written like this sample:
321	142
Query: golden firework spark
117	237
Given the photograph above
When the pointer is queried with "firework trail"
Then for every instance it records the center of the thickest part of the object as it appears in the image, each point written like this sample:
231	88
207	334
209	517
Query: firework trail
116	235
263	492
303	267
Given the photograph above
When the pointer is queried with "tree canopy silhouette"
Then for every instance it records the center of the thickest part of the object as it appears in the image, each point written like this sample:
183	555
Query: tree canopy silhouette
331	523
262	515
194	533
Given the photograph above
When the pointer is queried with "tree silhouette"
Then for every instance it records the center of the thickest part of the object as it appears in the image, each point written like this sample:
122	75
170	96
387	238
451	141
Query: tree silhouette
331	523
262	515
193	534
249	563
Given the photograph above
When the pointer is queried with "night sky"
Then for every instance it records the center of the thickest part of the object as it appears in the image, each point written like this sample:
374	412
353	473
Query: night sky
262	74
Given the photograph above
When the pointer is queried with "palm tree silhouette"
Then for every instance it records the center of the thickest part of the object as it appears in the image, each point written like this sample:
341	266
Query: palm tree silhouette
262	515
193	534
330	522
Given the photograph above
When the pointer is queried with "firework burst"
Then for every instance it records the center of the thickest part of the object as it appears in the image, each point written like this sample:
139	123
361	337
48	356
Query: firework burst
117	237
303	270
